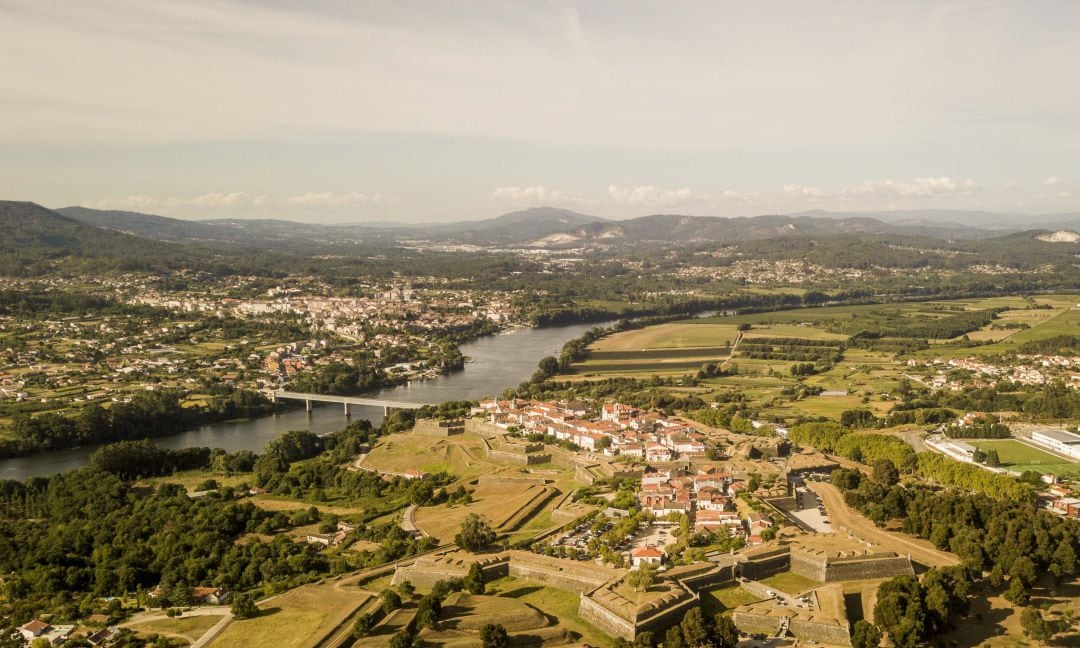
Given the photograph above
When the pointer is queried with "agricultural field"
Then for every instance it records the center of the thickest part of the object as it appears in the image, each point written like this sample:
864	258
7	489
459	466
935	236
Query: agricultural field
867	372
295	618
705	332
1020	456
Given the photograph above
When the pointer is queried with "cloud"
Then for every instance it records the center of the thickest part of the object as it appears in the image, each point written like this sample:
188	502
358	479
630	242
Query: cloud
139	202
917	188
1052	181
801	191
234	199
334	200
534	194
651	196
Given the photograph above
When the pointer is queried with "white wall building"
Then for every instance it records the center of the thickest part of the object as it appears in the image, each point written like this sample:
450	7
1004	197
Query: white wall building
1067	443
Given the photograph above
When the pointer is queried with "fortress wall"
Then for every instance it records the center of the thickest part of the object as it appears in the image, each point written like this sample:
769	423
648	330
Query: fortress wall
870	567
517	458
822	632
766	565
554	576
432	427
752	623
604	619
667	617
808	566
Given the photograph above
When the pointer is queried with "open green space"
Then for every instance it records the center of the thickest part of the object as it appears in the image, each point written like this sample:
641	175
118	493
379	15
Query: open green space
1019	456
725	599
559	605
790	583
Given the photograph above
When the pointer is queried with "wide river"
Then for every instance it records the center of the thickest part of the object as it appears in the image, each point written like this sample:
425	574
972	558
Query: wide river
496	362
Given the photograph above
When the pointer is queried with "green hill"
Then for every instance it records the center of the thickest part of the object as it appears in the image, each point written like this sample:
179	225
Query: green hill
34	240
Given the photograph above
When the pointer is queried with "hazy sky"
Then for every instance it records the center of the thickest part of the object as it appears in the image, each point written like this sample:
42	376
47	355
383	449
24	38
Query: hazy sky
337	110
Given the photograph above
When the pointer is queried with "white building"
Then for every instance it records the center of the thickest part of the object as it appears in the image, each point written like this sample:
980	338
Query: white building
1067	443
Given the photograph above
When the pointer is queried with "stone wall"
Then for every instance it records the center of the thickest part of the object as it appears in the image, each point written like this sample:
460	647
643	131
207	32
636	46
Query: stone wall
809	566
765	564
604	619
820	631
752	623
433	427
555	572
872	566
822	567
518	459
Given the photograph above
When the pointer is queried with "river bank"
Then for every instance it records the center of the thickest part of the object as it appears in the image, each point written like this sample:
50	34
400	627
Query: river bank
497	361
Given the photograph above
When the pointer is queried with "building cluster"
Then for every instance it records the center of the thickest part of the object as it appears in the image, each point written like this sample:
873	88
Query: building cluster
1060	499
1021	369
706	495
618	430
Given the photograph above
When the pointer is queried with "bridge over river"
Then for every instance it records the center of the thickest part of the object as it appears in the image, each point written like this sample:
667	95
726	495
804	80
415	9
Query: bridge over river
347	401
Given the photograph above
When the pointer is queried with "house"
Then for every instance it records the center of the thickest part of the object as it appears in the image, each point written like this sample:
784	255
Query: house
657	452
38	629
210	595
646	555
33	629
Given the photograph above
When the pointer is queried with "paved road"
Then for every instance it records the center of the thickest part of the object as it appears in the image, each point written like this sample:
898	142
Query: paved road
845	518
211	610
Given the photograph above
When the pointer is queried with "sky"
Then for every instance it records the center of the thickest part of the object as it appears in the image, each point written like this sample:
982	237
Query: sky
344	111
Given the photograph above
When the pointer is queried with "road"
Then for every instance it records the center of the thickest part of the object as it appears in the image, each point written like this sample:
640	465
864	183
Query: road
211	610
844	518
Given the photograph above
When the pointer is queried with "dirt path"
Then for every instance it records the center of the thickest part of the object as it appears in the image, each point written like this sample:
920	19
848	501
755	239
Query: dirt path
847	519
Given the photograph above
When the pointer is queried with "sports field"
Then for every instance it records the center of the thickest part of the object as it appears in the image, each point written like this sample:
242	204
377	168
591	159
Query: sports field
1020	456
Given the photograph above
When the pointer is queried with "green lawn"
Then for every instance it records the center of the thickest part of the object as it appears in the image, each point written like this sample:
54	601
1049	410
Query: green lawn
561	605
725	599
1020	456
790	583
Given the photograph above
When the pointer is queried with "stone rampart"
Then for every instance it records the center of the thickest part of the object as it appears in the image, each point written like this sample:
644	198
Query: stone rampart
765	564
433	427
829	567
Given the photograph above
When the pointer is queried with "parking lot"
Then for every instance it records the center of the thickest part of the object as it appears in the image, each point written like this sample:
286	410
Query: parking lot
659	534
811	511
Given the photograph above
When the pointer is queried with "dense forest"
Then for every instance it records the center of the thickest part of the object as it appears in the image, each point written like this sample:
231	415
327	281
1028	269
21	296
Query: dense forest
147	414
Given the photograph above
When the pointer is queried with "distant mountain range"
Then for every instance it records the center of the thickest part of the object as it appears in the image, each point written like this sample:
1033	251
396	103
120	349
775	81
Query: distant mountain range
548	227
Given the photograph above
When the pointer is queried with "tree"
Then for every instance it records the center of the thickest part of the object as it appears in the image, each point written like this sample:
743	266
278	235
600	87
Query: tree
725	634
475	534
493	635
401	639
391	600
643	577
696	628
1035	626
885	472
865	635
363	626
978	456
474	580
992	458
243	606
673	638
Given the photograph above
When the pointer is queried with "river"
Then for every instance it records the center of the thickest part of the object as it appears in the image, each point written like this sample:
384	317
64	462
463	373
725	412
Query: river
495	363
